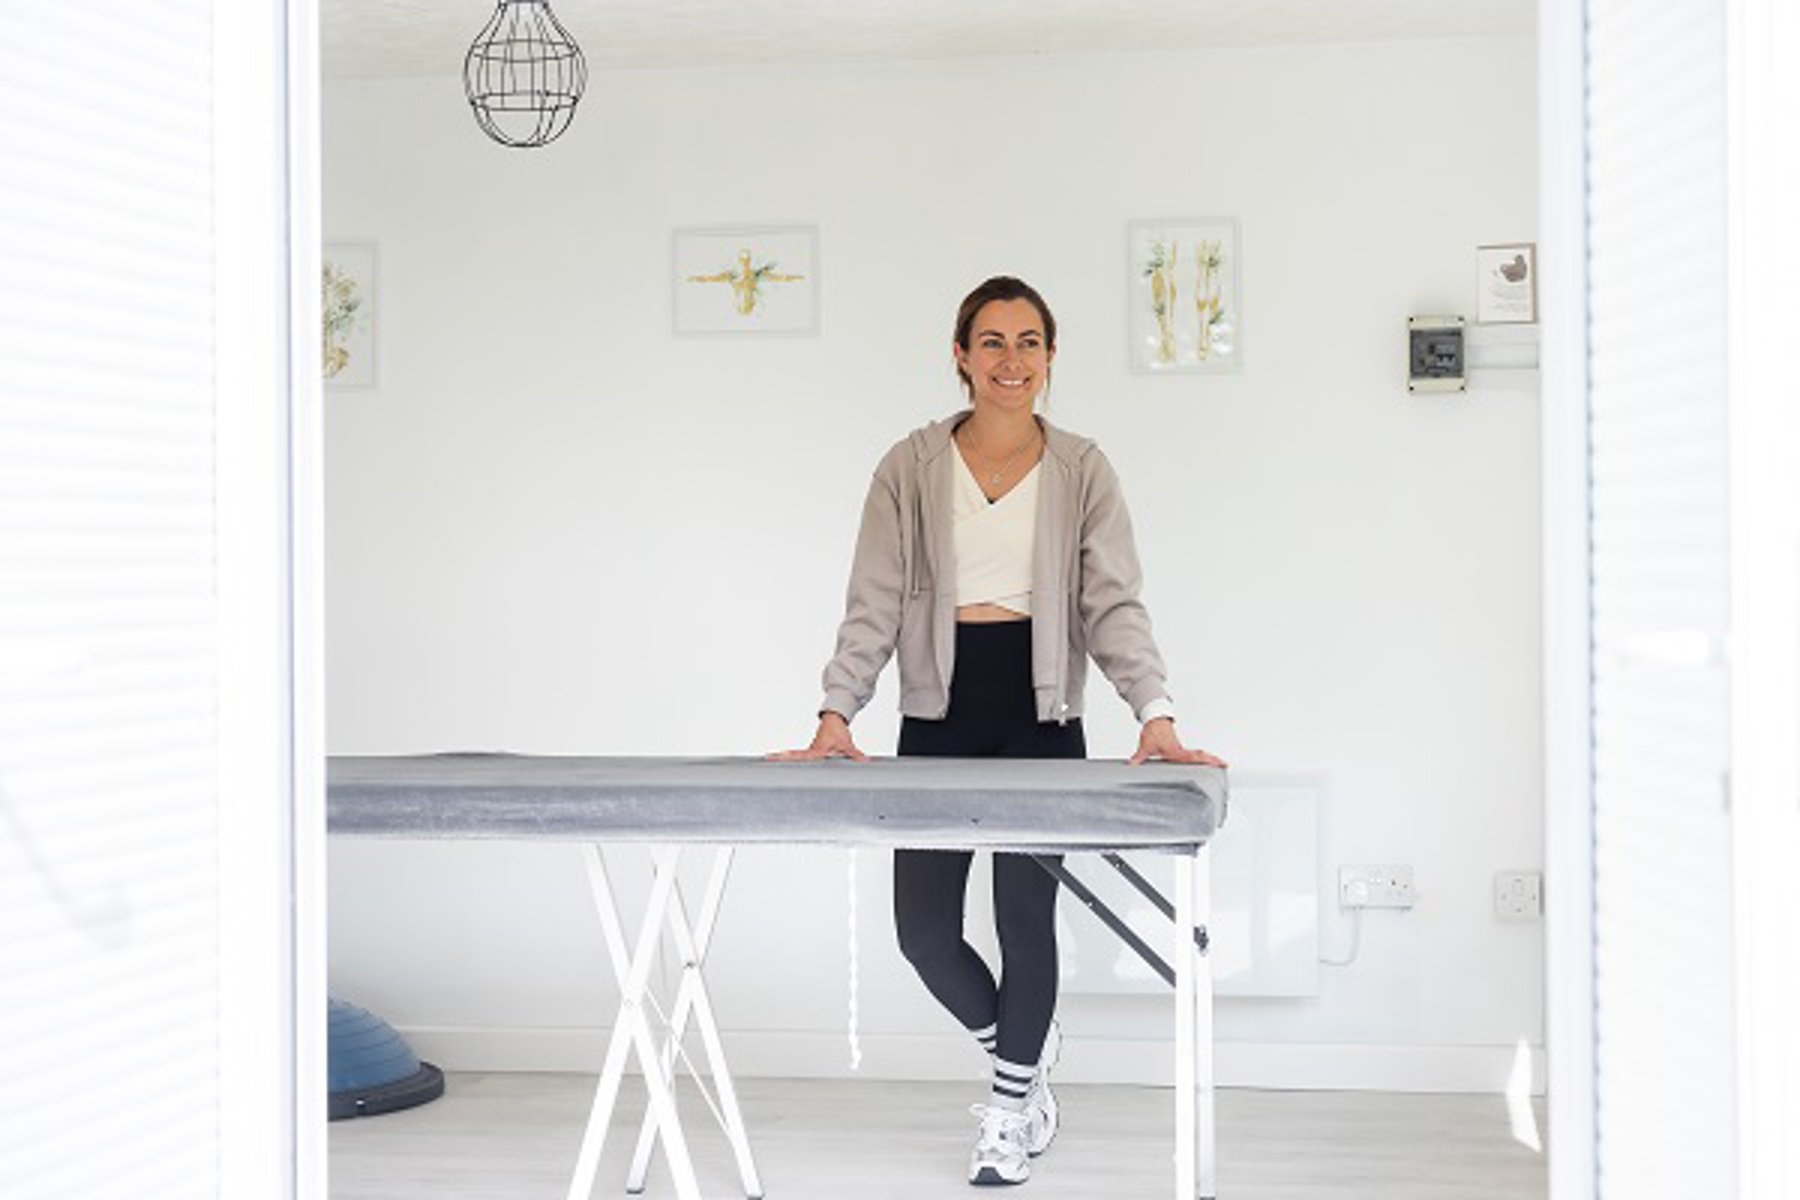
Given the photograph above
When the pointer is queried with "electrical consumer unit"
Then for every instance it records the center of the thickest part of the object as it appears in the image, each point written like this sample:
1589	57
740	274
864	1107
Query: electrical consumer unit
1436	361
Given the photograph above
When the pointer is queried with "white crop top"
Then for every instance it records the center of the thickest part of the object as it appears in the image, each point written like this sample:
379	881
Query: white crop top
993	541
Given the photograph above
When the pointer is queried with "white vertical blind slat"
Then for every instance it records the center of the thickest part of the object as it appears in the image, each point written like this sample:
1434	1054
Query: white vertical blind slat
109	901
1663	853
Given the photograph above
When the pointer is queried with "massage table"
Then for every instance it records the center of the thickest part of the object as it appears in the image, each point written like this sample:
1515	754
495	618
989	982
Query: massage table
1034	806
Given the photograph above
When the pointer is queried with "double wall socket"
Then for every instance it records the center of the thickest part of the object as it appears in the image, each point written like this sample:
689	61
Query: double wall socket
1518	895
1375	887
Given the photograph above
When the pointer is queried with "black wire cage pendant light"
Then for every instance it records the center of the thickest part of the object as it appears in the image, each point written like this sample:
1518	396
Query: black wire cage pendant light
524	75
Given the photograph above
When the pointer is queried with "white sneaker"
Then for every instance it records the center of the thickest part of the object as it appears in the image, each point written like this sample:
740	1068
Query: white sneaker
999	1155
1040	1101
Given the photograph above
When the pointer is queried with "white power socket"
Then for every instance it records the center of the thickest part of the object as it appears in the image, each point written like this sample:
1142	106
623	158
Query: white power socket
1375	887
1518	895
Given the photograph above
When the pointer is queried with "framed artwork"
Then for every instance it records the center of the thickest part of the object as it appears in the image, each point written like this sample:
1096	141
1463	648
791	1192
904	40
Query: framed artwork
747	280
1185	311
1506	284
348	314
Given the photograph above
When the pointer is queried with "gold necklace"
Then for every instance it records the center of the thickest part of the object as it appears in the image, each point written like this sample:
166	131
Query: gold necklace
999	471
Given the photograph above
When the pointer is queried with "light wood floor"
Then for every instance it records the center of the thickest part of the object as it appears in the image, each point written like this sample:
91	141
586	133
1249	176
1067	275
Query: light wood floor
515	1136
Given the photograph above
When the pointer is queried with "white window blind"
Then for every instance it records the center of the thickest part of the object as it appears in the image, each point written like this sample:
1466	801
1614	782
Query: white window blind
109	847
1764	47
1663	853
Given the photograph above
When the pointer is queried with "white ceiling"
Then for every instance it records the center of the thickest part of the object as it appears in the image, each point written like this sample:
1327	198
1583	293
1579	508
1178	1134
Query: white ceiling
425	37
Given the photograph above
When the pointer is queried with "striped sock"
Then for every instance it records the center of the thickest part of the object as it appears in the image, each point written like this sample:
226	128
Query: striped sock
988	1037
1011	1082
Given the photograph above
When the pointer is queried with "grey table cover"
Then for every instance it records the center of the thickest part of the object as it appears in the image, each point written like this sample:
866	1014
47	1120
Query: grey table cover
1018	804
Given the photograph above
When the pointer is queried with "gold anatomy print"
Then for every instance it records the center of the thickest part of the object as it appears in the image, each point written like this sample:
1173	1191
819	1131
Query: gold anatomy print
746	280
1209	305
1161	270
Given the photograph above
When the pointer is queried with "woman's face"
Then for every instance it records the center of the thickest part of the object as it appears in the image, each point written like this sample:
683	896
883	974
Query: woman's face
1008	359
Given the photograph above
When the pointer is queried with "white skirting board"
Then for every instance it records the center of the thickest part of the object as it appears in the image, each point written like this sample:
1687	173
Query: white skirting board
1291	1067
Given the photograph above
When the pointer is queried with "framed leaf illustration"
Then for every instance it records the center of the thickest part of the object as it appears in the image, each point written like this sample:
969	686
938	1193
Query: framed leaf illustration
1183	296
348	315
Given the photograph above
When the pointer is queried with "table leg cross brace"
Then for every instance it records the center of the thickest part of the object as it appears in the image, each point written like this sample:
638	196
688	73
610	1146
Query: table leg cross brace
664	910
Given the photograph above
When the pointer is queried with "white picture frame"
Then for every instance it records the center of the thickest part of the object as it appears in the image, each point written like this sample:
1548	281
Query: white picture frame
1506	284
349	314
1184	288
746	280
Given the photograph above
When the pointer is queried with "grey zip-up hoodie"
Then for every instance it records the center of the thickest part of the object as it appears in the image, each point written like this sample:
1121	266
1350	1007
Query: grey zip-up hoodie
1084	586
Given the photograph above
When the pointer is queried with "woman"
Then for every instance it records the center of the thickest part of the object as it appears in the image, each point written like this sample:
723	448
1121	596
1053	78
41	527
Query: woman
995	557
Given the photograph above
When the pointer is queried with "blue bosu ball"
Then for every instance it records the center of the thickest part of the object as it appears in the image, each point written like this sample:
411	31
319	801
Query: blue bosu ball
372	1069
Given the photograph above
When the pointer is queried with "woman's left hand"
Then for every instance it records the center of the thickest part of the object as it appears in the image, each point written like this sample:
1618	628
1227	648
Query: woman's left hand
1158	740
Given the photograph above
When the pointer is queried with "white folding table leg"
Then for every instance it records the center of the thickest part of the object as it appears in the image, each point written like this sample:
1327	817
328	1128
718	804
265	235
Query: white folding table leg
632	967
693	1000
1204	1043
606	1094
678	1018
1196	1161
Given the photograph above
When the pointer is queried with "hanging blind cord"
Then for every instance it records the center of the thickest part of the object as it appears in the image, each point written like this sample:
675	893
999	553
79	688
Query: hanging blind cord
855	1040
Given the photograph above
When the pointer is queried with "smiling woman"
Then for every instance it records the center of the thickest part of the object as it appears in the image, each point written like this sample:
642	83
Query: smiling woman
995	557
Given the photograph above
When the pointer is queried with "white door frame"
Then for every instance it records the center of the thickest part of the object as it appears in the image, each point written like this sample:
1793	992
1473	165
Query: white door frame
1568	699
1763	188
271	1017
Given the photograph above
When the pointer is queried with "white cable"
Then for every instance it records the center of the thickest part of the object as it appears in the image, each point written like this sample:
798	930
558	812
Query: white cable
1355	942
855	1041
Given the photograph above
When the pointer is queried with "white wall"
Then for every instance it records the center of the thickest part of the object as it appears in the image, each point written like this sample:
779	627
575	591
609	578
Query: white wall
555	527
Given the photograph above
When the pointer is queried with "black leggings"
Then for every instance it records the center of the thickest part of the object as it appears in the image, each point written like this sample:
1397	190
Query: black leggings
993	714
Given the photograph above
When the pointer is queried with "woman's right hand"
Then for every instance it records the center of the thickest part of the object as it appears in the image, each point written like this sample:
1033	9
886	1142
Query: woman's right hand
832	740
